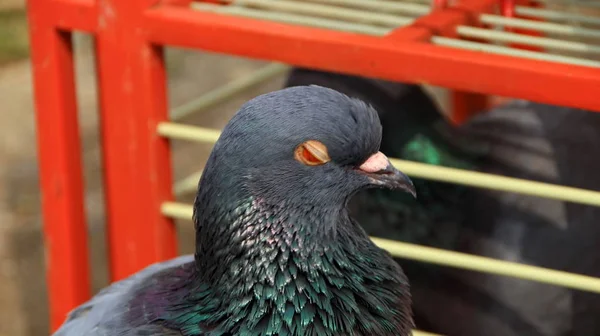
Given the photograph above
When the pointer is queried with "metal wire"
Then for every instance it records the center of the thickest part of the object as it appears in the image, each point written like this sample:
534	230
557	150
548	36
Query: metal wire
187	132
381	6
452	259
327	11
224	92
555	15
578	3
544	42
499	50
187	184
546	27
294	19
422	333
427	171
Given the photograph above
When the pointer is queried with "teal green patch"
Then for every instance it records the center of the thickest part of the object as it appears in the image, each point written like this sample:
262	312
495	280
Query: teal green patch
423	149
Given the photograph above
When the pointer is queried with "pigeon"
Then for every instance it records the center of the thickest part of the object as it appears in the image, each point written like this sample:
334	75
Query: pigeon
277	252
519	139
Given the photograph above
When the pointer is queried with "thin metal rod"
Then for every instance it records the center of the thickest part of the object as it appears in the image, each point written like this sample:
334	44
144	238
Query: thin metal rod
545	27
498	182
489	265
187	184
452	259
544	42
499	50
293	19
327	11
187	132
427	171
228	90
423	333
555	15
380	6
577	3
425	2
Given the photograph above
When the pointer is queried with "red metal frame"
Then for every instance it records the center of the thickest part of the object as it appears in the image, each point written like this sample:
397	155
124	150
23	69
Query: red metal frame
137	164
129	38
387	58
60	163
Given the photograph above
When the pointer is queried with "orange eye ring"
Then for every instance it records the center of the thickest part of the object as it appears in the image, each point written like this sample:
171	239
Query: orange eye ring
312	153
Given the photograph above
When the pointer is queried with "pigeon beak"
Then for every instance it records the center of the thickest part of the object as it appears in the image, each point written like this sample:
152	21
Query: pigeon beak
382	173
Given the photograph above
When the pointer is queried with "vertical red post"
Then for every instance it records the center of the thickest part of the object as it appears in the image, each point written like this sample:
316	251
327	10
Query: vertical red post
137	166
60	164
508	8
465	104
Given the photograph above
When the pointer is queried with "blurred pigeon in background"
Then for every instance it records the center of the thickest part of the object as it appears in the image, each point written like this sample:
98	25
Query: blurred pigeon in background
519	139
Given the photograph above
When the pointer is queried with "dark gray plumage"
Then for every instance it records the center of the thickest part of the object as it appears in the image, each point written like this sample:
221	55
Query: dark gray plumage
104	314
277	252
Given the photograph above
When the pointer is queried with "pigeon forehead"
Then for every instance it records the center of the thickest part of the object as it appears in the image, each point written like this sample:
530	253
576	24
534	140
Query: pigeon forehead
309	112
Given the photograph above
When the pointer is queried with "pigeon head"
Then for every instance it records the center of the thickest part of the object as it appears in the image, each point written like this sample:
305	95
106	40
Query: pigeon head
277	249
303	145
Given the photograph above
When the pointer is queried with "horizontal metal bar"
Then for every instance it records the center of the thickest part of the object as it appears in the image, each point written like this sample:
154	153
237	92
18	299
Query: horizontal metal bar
187	132
226	91
546	27
187	184
327	11
394	59
576	3
452	259
425	2
493	49
381	6
422	333
498	182
293	19
427	171
544	42
489	265
556	15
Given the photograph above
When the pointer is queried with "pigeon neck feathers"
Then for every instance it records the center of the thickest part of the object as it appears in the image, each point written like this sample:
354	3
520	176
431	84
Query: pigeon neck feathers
271	270
290	268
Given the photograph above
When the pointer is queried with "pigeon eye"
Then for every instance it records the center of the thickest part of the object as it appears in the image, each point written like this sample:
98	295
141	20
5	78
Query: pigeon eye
312	153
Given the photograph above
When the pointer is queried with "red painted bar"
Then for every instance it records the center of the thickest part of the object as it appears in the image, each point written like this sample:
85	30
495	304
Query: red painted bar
137	162
412	62
59	148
